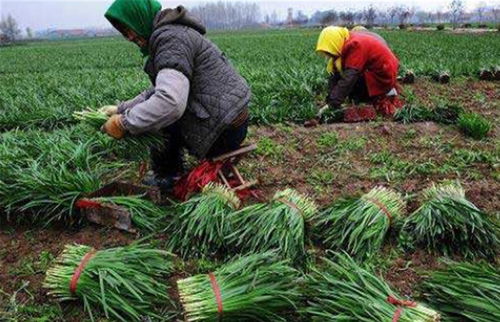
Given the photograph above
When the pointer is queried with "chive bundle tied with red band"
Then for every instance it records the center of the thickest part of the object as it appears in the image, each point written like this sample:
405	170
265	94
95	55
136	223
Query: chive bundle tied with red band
342	290
217	293
279	224
257	287
359	226
200	225
449	224
78	271
401	304
124	283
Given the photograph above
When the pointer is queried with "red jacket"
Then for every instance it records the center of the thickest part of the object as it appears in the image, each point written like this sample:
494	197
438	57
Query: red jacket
370	55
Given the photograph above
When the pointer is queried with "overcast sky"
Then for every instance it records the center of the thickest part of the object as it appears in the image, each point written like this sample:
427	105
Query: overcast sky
43	14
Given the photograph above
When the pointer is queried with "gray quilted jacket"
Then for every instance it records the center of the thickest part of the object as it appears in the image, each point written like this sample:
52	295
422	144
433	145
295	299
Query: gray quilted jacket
218	94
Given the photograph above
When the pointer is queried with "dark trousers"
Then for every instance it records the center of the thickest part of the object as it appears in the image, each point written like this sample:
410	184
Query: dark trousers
168	161
358	94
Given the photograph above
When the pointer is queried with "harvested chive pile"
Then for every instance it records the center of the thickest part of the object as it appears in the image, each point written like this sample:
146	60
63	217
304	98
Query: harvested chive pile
466	291
342	290
91	117
258	287
144	214
359	226
449	224
200	225
280	224
124	282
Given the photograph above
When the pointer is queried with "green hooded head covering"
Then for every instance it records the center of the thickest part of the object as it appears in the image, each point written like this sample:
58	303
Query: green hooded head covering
137	15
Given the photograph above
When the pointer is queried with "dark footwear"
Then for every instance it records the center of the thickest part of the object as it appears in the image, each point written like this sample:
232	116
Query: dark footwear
166	184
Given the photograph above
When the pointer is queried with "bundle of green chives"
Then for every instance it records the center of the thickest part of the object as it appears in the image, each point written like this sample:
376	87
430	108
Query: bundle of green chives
91	117
359	226
44	173
341	290
131	147
466	291
123	282
200	225
450	224
280	224
257	287
144	214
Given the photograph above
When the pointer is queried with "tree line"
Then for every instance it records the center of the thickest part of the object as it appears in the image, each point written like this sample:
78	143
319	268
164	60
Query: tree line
400	14
226	15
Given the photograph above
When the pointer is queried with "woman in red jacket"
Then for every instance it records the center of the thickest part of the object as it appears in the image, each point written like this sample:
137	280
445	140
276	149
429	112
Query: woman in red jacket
362	67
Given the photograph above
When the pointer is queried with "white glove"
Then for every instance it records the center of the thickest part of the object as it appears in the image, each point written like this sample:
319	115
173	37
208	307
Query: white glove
109	110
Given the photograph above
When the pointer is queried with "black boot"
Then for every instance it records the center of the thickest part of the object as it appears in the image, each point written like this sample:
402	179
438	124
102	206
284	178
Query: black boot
166	184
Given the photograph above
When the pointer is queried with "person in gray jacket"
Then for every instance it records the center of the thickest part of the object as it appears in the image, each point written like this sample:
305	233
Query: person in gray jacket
197	98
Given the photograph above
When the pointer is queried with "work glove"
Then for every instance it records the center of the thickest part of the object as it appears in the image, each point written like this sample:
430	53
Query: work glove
109	110
114	127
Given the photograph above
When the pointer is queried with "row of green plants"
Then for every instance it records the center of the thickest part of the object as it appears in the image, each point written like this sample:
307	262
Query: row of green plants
45	173
279	276
134	282
471	124
42	84
423	52
446	223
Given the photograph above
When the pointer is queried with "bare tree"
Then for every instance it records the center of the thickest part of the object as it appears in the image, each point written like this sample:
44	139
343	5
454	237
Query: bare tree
29	33
422	17
9	29
370	14
456	12
480	11
393	12
348	17
301	18
430	17
274	17
227	15
495	12
439	16
404	15
382	17
329	18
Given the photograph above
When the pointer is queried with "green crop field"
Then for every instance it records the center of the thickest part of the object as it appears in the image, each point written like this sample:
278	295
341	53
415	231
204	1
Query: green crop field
42	83
432	157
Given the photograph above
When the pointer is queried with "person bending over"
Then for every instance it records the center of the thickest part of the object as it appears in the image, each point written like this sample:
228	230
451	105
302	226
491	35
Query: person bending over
362	67
197	99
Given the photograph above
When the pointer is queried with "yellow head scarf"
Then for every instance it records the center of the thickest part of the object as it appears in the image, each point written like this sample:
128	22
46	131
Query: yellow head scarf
331	40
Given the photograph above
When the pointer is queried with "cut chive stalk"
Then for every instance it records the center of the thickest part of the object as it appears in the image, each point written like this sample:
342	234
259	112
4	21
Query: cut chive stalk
91	117
359	226
280	224
257	287
342	290
200	225
466	291
449	224
124	282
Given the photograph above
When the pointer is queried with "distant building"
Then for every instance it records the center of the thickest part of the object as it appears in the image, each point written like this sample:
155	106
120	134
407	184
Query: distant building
74	33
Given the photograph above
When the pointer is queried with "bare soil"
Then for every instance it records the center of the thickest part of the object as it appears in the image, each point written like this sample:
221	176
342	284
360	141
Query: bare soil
325	168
